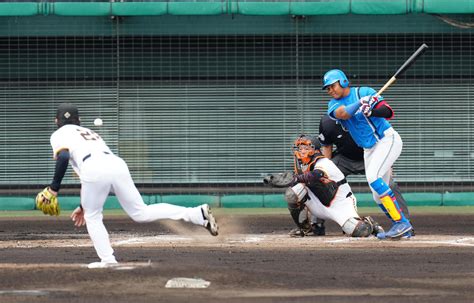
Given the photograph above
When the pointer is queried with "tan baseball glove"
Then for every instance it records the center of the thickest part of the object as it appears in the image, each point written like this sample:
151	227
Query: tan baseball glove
47	203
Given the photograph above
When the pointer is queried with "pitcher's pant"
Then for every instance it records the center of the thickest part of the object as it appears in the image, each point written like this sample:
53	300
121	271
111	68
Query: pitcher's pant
106	173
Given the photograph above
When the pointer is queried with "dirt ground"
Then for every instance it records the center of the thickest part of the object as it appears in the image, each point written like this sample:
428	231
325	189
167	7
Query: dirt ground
252	260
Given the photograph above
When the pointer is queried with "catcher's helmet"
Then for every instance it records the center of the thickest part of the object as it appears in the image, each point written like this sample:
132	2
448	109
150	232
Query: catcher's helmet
67	113
333	76
304	148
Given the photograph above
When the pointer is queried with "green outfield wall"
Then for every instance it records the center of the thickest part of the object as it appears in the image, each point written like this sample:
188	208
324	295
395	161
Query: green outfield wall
214	92
241	200
262	8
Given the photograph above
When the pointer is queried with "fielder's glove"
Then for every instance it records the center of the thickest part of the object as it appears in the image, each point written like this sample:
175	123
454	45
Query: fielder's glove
280	179
47	202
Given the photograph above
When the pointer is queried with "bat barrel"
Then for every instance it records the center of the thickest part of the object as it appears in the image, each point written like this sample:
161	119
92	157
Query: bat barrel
411	60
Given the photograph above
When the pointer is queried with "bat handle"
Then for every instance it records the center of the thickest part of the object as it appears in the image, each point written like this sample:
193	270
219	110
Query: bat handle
389	82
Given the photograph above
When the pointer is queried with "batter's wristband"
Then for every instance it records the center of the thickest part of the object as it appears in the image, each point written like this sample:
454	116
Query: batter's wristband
352	108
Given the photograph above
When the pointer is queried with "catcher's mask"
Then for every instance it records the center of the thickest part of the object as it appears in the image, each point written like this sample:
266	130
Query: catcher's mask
304	148
67	113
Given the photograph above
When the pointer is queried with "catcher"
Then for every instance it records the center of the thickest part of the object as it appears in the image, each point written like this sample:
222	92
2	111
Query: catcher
319	185
102	172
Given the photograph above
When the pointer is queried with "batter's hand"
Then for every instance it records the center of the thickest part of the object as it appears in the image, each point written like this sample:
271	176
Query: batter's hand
367	104
365	109
77	217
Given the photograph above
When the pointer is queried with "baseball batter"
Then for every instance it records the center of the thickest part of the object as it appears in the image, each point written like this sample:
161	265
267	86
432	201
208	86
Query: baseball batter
366	116
347	155
349	158
101	172
321	187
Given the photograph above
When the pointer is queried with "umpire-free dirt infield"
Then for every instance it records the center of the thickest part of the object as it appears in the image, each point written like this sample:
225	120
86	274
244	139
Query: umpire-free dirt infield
43	259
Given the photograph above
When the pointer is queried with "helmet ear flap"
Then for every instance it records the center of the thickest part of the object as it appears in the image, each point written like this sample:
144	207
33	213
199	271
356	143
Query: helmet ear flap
333	76
344	82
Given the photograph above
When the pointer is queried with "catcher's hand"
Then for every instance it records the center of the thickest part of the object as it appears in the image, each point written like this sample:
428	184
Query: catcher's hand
280	180
47	202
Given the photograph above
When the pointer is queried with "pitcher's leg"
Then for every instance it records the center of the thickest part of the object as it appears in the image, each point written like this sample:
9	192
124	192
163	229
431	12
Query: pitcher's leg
132	202
93	197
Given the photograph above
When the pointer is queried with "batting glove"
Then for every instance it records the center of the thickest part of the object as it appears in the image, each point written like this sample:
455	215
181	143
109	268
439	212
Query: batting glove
367	104
365	109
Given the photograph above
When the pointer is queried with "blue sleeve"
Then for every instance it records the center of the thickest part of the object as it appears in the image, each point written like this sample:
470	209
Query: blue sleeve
332	106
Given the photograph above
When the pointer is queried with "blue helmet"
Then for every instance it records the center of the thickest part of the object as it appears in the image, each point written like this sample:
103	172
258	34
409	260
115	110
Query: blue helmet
333	76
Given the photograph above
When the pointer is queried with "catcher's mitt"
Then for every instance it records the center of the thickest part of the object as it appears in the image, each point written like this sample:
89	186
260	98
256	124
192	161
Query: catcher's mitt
280	180
47	203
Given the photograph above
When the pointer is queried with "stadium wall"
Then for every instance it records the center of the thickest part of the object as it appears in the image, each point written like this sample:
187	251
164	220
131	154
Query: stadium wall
231	84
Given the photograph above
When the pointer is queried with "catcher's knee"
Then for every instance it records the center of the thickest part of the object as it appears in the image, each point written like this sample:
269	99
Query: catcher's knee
296	195
356	227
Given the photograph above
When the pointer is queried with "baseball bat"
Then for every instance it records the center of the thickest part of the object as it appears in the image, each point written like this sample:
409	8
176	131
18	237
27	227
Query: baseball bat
404	67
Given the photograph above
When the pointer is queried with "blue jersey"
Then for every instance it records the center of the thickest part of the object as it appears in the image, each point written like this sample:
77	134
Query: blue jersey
365	131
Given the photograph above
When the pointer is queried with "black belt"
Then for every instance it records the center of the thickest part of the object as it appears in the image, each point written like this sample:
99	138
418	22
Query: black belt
89	155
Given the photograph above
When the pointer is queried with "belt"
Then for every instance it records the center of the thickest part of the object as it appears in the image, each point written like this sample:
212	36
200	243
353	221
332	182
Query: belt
89	155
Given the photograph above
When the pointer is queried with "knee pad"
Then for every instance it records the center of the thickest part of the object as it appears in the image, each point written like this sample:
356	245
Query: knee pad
296	195
380	187
355	227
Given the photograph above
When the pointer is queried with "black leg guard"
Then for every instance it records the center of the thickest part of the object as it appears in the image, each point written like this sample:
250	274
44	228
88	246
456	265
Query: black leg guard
295	213
356	227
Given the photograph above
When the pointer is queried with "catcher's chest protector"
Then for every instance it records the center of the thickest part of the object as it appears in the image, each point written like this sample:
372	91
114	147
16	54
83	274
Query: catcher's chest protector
324	191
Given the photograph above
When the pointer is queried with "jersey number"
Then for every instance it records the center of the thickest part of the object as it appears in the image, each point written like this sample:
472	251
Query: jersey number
89	135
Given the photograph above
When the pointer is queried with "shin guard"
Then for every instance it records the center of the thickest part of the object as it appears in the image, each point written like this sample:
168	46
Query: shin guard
389	203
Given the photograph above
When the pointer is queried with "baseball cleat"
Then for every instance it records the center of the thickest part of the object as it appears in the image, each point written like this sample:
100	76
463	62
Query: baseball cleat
397	230
318	229
209	221
299	232
408	234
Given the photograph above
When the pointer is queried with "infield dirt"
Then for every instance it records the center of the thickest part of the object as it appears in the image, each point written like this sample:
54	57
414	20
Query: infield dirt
252	260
